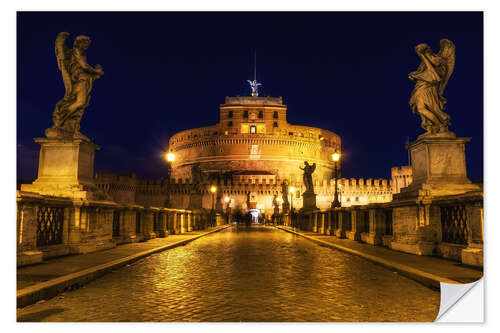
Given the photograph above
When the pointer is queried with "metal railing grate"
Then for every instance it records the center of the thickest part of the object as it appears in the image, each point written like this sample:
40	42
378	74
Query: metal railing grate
138	226
50	222
156	222
116	223
365	222
388	222
454	224
335	220
349	221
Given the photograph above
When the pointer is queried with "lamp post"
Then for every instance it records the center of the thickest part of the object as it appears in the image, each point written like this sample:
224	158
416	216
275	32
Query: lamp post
336	159
277	210
228	209
170	157
292	191
213	189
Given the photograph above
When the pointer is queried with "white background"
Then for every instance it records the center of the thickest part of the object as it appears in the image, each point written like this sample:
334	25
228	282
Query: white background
491	142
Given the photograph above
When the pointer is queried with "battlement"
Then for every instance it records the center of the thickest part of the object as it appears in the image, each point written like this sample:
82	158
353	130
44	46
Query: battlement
253	100
402	176
401	170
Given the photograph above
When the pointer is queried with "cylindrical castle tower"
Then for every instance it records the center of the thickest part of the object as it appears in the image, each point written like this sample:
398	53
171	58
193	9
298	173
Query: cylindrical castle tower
254	137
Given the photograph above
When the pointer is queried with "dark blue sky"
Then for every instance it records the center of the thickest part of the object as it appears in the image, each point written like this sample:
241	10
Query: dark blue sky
166	72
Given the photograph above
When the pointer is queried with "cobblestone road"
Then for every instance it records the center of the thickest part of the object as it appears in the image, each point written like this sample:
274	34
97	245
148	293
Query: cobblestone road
245	274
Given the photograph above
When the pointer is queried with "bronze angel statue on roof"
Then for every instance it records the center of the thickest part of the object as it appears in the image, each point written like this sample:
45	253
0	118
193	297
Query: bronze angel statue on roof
430	80
78	77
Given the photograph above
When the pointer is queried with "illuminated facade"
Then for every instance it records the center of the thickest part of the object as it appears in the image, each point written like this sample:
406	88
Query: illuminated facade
253	135
247	155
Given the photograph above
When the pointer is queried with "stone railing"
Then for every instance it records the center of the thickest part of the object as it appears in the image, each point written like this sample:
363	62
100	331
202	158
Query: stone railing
52	226
450	227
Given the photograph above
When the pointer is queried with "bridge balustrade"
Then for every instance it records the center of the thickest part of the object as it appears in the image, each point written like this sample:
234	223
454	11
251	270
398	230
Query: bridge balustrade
53	226
450	227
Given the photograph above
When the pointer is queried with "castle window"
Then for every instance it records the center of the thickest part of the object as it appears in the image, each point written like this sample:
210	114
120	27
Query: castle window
229	124
230	114
275	115
290	133
245	114
253	129
261	114
275	124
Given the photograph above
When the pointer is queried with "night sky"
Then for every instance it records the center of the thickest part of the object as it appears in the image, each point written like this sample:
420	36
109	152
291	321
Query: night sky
167	72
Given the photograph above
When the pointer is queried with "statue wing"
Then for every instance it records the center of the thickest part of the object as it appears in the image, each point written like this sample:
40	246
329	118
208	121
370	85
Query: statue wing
63	55
447	52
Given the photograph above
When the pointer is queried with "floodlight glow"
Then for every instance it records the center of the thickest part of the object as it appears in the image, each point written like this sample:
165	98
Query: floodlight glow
170	157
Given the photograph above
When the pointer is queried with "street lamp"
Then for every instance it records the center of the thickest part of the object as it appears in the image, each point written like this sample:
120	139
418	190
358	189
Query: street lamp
228	209
292	191
170	157
336	159
213	189
277	210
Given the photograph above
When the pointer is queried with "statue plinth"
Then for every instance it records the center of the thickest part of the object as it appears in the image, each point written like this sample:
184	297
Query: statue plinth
438	166
309	201
285	207
66	169
218	206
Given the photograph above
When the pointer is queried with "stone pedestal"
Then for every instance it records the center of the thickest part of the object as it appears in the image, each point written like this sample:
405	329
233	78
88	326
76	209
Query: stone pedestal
309	201
66	169
285	207
438	167
218	205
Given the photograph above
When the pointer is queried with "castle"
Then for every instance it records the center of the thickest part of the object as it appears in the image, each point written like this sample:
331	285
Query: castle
253	138
247	156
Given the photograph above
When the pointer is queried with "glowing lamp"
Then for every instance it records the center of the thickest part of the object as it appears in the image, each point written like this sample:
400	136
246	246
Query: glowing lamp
213	189
226	199
336	156
170	157
292	189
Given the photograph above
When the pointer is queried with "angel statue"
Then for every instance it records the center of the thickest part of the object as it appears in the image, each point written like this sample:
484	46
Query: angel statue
307	177
254	85
430	80
78	77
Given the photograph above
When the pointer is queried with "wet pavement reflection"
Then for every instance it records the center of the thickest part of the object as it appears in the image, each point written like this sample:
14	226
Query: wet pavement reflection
254	273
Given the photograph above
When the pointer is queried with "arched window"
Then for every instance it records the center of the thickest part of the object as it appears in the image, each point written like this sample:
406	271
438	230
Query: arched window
230	124
275	115
245	114
261	114
253	129
230	114
275	124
